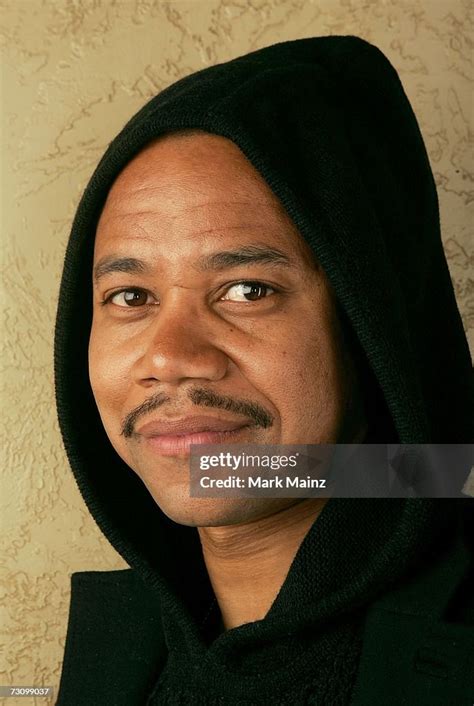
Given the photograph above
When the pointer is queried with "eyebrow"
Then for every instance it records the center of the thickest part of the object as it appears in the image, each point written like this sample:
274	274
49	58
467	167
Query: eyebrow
226	259
111	264
248	254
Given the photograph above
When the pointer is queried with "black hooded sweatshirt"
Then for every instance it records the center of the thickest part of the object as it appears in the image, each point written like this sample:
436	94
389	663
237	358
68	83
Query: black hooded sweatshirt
377	607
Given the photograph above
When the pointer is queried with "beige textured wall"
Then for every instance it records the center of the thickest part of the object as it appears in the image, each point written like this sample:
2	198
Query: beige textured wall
73	72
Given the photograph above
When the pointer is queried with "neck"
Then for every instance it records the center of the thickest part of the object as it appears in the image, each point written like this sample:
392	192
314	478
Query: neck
247	564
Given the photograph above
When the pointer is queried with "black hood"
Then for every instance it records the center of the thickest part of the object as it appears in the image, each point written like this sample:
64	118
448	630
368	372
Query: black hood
327	124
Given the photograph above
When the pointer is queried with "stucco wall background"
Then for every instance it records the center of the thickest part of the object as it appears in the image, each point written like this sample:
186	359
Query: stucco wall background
73	71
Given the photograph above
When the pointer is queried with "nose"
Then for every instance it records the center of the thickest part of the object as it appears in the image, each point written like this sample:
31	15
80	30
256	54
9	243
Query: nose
179	345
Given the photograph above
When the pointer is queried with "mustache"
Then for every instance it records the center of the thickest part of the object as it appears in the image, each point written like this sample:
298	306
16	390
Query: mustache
201	398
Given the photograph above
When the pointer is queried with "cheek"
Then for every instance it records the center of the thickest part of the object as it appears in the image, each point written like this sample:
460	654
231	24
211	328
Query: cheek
308	385
305	379
109	372
109	375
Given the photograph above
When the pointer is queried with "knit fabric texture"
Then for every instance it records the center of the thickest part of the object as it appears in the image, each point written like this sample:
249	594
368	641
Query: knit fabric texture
327	124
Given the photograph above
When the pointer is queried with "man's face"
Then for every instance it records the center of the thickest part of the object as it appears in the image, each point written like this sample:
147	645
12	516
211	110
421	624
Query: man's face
211	324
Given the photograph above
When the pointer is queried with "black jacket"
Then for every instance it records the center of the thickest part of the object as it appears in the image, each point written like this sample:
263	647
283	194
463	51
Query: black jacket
378	605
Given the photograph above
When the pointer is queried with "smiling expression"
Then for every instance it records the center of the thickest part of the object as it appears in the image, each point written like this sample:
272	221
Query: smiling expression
212	322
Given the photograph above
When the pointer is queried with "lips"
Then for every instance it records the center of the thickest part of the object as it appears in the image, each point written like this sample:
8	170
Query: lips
175	437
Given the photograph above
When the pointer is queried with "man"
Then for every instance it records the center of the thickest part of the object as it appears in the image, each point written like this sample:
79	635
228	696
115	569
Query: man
257	260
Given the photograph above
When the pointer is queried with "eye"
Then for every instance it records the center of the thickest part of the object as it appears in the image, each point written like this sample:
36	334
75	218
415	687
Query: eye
247	292
129	298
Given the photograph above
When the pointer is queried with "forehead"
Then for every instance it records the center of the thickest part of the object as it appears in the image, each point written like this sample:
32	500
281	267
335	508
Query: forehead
190	185
193	166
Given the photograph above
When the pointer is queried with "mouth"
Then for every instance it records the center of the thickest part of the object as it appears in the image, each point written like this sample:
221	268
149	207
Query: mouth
175	437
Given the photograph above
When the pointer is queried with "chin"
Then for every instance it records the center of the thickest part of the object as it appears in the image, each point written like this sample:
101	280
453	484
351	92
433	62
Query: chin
212	512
